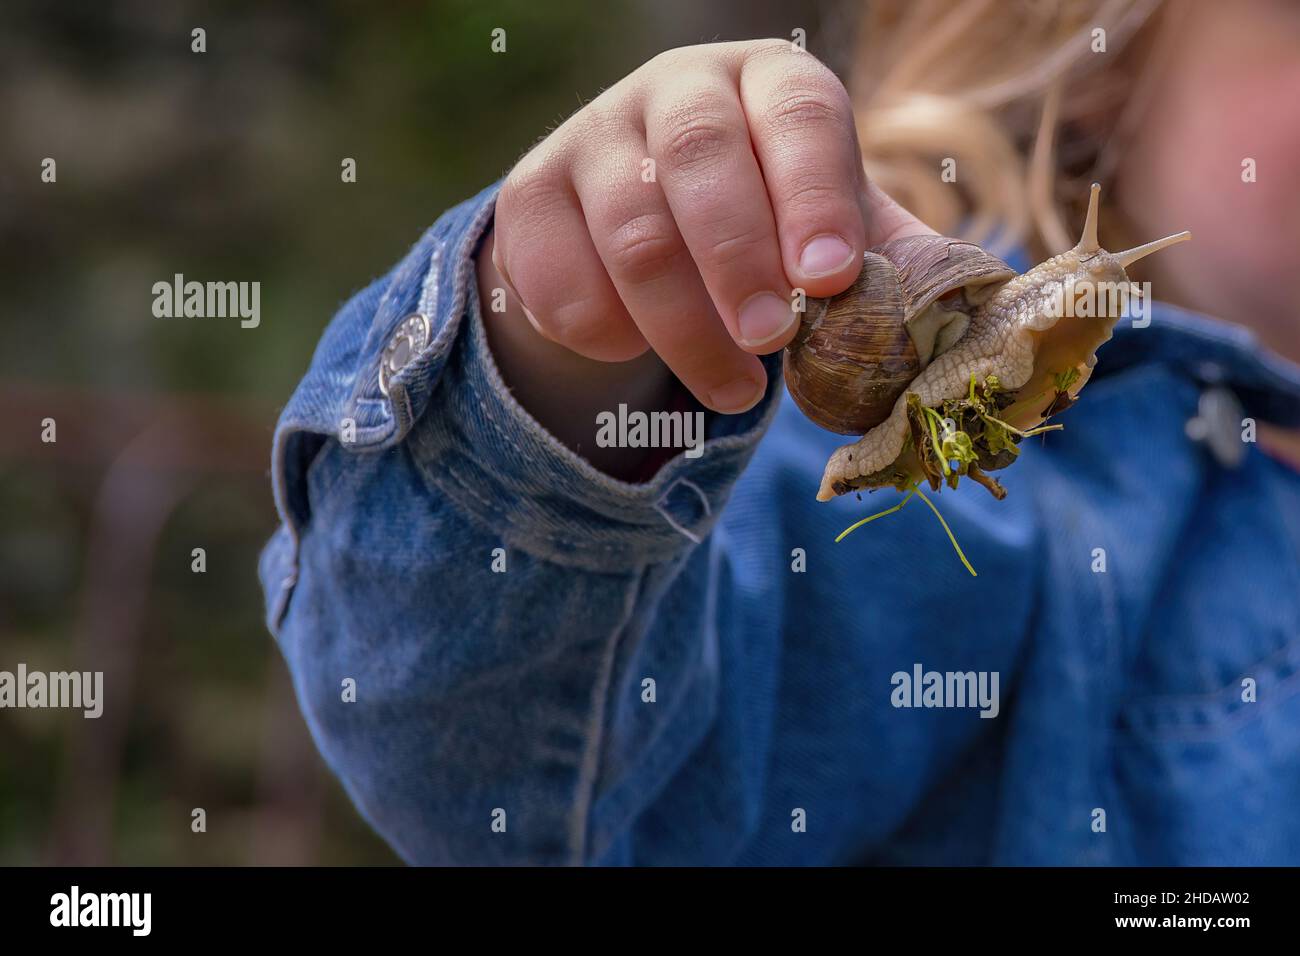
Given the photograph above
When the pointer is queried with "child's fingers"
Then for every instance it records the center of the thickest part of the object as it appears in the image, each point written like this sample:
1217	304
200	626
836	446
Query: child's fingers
697	135
545	252
652	269
802	127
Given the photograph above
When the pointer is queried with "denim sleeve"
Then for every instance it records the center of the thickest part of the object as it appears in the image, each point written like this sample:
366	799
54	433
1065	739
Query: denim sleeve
467	608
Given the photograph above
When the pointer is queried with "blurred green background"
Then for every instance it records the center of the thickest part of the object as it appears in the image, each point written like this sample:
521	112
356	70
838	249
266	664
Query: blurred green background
225	165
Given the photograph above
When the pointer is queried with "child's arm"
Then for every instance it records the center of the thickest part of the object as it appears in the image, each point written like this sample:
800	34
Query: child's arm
469	609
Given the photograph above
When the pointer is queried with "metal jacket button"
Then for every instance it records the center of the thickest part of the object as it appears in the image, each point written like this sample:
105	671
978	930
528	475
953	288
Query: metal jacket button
410	339
1217	425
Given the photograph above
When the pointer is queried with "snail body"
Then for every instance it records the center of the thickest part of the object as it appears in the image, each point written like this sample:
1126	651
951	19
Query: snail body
951	317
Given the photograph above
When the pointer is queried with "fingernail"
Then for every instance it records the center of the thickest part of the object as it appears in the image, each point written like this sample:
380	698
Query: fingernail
823	255
764	317
738	396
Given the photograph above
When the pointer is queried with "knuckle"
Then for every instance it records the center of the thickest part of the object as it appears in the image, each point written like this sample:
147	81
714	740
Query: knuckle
767	47
664	59
813	188
766	50
532	191
606	115
671	60
801	108
741	242
695	134
644	250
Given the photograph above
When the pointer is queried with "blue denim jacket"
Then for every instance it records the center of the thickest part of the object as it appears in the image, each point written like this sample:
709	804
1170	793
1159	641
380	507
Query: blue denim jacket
1138	601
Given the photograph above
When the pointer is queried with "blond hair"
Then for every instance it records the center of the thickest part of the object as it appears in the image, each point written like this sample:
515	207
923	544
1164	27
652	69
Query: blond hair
1018	94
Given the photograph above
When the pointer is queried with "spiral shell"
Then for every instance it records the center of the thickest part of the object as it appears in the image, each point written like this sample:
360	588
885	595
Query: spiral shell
856	353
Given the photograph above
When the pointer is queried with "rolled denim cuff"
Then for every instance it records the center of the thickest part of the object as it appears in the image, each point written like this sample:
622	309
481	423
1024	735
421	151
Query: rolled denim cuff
478	446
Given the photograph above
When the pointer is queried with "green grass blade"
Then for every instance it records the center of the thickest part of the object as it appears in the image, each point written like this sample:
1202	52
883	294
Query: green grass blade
879	514
951	536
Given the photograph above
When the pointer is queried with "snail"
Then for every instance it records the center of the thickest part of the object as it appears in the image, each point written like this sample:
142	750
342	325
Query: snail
942	358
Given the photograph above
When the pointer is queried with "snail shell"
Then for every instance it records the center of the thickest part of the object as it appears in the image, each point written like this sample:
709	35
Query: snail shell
856	353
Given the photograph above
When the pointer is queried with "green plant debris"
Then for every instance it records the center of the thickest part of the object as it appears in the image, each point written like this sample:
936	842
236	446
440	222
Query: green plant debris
879	514
964	438
915	491
947	530
1063	380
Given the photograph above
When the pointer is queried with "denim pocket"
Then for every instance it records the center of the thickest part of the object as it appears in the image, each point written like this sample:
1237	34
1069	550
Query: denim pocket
1214	779
1261	687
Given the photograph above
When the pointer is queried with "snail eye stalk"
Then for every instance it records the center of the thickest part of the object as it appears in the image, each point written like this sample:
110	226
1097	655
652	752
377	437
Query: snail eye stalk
1088	241
1130	256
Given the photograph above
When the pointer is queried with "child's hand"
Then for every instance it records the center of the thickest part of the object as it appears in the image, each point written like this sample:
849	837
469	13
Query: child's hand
679	211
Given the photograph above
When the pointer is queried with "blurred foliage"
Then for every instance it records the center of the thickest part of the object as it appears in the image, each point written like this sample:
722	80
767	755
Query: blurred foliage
226	165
